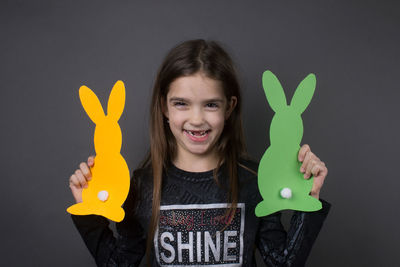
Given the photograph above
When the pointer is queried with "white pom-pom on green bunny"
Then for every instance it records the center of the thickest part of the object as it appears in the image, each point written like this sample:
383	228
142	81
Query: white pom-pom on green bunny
280	181
109	186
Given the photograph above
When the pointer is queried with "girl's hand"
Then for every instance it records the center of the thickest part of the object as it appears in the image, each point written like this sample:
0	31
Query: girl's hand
79	180
312	165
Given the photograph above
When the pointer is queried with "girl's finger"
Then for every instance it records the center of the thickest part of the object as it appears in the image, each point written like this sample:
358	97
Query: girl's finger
314	162
73	181
317	186
316	189
319	168
319	180
90	161
316	169
303	151
311	164
306	161
85	170
81	178
323	173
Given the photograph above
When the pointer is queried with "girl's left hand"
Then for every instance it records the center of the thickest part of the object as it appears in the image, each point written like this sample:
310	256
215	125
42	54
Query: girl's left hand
312	165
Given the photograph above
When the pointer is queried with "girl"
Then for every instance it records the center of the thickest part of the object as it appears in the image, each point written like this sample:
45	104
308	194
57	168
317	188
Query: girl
192	201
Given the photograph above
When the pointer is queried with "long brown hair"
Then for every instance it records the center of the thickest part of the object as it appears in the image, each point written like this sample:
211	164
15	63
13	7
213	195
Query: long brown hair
187	59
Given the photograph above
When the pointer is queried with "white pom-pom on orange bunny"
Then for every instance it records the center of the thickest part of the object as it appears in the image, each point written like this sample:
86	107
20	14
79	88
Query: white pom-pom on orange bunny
109	186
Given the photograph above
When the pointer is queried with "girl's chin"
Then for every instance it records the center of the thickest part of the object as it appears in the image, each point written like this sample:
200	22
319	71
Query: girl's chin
198	150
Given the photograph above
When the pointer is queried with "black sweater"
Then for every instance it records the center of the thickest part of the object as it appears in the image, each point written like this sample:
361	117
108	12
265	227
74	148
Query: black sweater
193	226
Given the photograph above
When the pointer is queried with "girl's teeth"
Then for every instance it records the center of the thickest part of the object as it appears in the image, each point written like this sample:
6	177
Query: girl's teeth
198	134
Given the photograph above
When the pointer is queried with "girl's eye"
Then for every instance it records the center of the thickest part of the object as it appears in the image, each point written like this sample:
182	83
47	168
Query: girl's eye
212	105
179	104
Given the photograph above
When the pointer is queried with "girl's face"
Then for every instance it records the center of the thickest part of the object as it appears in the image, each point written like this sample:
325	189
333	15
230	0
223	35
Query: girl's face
197	109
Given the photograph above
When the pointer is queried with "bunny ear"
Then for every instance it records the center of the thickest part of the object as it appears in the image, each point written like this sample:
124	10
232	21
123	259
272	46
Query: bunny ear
304	93
273	91
91	104
116	101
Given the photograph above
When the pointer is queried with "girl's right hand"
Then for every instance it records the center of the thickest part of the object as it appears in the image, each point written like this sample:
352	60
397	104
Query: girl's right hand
79	180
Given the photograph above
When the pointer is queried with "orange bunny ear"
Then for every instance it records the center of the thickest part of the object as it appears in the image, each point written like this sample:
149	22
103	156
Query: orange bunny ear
116	101
91	104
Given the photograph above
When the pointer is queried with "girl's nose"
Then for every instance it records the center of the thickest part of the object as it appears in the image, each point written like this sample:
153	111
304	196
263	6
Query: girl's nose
197	117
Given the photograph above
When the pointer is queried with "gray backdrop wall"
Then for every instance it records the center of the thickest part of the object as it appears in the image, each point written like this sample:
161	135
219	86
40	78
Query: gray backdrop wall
49	49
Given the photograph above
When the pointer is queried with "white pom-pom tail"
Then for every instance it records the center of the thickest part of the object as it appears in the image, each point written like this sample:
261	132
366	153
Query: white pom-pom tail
102	195
286	193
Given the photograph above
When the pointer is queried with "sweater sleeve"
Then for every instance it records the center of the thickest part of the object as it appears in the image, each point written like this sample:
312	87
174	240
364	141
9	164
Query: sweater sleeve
281	248
126	249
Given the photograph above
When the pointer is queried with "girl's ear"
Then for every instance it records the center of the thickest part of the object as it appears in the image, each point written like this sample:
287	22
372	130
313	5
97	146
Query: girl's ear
116	101
91	104
230	106
303	94
273	91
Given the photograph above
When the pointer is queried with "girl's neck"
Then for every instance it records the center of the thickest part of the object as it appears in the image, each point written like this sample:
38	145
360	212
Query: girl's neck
193	163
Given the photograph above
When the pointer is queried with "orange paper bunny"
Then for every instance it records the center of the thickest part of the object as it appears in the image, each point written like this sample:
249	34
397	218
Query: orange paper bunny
109	185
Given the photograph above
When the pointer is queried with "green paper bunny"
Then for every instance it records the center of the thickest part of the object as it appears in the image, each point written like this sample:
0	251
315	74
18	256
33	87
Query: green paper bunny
280	181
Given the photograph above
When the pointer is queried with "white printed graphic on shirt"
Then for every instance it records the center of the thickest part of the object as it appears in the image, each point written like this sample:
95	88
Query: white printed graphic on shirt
192	235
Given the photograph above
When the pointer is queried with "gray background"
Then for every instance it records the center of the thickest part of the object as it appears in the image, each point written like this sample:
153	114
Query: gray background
48	49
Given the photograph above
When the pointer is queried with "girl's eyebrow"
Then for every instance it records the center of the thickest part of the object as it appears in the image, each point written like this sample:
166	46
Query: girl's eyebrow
186	100
214	100
178	99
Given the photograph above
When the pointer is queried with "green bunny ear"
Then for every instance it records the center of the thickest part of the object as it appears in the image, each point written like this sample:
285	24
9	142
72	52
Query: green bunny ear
91	104
273	91
304	93
116	101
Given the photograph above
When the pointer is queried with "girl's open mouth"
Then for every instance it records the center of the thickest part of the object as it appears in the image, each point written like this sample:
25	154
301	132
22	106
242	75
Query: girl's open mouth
197	136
